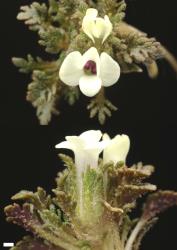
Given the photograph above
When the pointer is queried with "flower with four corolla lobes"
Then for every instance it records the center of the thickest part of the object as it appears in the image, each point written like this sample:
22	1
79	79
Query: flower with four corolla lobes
86	148
90	71
116	149
96	27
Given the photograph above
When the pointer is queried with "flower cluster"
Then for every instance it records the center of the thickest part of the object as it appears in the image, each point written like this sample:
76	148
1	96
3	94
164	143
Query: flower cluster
87	148
91	71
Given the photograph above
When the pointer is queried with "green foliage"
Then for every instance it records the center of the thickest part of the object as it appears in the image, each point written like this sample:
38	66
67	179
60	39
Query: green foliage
53	39
68	161
126	185
71	94
115	8
58	24
29	64
66	192
101	107
35	15
44	89
43	95
39	199
40	216
137	49
100	218
33	244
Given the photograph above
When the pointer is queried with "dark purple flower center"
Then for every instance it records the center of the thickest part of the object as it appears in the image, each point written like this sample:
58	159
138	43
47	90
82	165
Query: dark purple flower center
90	68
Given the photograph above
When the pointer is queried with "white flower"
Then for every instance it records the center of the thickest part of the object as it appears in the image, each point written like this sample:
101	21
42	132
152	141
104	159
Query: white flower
116	149
90	71
96	27
86	148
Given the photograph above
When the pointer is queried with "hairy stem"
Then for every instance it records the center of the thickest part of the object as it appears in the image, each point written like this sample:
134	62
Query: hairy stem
112	240
100	98
59	242
134	234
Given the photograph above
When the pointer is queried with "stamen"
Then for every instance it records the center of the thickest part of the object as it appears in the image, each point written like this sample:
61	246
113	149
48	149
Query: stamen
90	68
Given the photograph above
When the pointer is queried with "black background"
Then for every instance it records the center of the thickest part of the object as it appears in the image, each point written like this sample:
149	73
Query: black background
147	113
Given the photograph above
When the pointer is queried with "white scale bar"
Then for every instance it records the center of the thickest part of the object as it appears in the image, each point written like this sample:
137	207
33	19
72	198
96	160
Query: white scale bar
8	244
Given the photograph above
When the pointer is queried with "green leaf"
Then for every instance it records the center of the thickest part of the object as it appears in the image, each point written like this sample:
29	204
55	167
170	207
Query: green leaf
102	108
68	161
35	15
29	243
42	93
54	39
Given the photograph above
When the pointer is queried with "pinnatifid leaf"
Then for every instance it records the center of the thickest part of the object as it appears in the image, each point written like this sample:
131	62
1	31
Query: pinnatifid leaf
158	203
29	243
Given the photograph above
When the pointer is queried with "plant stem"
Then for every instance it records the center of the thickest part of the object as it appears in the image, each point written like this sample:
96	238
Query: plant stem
134	234
100	97
112	240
